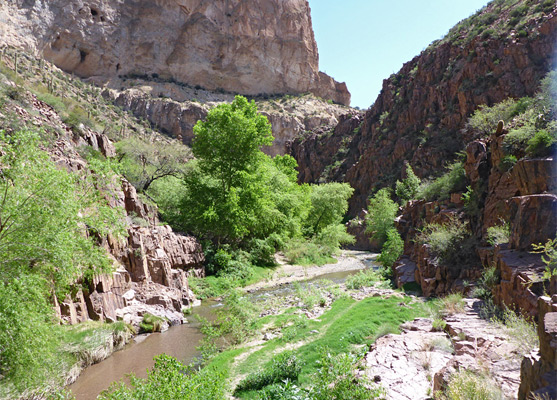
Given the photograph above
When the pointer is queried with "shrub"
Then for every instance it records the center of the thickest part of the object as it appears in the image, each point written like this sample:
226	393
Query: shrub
169	380
381	215
485	119
283	366
506	163
485	285
392	249
466	385
542	143
336	380
498	234
516	140
151	323
408	188
365	278
549	251
451	243
454	180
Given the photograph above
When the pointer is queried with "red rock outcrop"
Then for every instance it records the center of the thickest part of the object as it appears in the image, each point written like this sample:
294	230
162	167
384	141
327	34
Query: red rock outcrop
421	111
538	373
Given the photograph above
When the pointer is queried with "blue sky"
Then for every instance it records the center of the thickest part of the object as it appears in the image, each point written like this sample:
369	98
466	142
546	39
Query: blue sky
362	42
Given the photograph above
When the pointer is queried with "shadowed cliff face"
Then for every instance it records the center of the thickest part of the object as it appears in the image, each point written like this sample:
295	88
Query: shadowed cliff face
420	115
248	47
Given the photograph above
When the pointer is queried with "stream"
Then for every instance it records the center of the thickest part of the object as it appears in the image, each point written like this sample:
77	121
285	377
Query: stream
181	341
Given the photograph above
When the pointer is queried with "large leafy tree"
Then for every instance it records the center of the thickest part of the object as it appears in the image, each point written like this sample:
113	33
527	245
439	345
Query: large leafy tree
228	142
230	196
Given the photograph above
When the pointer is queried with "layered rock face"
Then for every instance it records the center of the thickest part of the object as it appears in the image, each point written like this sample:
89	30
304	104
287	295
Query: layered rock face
151	263
290	118
248	47
421	111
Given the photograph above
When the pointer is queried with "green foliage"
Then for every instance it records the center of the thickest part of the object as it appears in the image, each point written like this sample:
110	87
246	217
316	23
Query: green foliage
45	214
467	385
382	211
516	140
549	251
485	119
485	285
144	162
498	234
169	380
392	249
454	180
336	379
151	323
506	163
408	188
234	324
452	243
27	337
228	142
542	143
48	220
365	278
283	366
329	203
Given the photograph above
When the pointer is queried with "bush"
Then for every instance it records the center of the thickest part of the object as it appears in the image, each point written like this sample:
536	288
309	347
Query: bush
454	180
516	140
151	323
392	249
485	285
485	119
542	144
283	366
451	243
466	385
506	163
336	380
381	215
365	278
408	188
169	380
498	234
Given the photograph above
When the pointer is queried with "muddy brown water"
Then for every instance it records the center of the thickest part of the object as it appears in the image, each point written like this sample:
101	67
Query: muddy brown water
179	341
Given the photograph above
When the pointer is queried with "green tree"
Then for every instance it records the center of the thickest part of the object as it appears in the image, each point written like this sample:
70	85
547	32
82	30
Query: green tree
382	211
228	142
392	249
329	203
408	188
49	219
145	162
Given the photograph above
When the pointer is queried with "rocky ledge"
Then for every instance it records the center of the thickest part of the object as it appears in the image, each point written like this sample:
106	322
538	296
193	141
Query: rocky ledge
419	362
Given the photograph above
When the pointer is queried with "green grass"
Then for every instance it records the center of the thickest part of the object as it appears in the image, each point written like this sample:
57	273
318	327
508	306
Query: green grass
213	286
342	329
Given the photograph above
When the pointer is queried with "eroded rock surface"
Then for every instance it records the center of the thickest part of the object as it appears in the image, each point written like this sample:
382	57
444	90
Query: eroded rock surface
419	361
248	47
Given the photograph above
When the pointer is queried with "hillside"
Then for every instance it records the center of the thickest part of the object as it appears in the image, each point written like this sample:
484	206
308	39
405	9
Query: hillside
421	113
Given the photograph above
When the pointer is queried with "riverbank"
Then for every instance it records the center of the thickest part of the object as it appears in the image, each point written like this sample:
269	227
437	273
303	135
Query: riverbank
284	273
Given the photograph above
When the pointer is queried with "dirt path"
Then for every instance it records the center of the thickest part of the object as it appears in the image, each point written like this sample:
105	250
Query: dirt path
348	260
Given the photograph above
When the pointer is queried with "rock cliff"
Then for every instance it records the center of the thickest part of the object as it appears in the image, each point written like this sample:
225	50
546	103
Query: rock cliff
420	114
247	47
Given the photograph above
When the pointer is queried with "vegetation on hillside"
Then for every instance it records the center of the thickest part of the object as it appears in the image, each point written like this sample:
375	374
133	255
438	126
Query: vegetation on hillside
49	219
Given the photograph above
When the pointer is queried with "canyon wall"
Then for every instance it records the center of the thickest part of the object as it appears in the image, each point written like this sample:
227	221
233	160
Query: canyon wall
420	115
248	47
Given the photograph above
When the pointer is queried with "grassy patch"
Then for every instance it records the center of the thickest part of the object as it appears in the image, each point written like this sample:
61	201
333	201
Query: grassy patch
213	286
